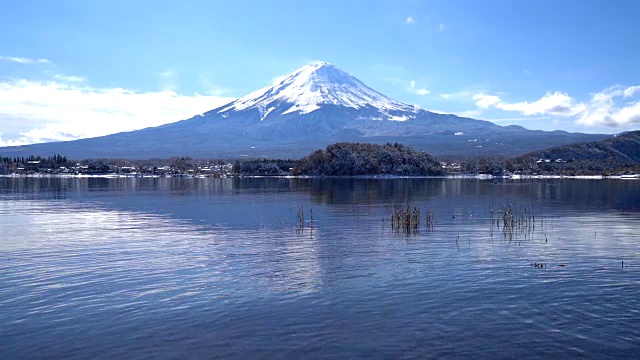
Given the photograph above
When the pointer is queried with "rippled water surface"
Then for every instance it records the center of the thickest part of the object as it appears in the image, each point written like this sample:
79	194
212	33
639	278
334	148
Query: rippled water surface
222	268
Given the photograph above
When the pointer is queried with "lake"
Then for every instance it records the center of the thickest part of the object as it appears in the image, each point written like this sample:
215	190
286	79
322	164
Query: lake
225	268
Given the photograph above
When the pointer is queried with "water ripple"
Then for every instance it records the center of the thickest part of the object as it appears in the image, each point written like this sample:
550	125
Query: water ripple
108	281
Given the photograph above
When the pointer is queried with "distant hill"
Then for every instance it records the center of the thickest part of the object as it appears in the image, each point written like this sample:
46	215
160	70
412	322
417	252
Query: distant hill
314	106
622	151
349	159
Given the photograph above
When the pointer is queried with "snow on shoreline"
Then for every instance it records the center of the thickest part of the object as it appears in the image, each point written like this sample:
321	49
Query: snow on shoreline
477	176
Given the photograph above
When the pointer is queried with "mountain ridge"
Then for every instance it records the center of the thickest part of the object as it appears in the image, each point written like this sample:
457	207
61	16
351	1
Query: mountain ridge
312	107
619	151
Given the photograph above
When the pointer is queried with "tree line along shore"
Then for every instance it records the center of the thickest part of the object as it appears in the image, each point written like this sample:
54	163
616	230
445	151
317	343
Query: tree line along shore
342	159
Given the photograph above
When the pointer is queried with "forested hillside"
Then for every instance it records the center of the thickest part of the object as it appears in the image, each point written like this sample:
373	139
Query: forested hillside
622	151
348	159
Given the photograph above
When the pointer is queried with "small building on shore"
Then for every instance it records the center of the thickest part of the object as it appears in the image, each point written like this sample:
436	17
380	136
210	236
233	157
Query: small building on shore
32	165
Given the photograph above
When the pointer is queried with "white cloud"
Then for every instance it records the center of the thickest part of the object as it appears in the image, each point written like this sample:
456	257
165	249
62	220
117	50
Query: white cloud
484	101
442	27
605	109
410	20
33	112
412	89
630	91
457	96
525	118
556	103
466	113
22	60
469	113
11	142
613	107
69	78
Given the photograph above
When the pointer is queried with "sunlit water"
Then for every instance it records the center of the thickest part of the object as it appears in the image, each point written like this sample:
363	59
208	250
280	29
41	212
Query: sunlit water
222	268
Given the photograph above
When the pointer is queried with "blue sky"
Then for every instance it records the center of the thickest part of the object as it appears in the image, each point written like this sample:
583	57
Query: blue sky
71	69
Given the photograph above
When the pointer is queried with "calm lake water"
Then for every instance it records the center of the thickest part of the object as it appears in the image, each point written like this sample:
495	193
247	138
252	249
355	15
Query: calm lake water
221	268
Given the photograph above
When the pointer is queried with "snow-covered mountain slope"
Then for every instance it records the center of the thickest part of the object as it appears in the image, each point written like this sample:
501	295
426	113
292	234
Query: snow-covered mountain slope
312	86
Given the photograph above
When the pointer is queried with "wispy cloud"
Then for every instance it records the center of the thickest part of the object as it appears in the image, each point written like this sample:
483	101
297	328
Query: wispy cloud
211	88
523	118
166	74
410	20
168	80
420	91
469	113
442	27
69	78
457	96
33	112
466	113
22	60
484	101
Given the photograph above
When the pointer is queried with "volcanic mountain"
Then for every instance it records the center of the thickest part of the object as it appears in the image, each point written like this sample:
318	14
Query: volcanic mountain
314	106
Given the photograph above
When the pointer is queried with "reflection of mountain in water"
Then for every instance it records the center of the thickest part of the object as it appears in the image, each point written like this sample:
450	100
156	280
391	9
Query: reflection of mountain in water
258	214
369	191
608	194
264	201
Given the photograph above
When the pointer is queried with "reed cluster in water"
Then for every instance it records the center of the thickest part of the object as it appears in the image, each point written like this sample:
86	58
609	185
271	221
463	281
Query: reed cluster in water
514	221
302	223
300	215
405	219
430	221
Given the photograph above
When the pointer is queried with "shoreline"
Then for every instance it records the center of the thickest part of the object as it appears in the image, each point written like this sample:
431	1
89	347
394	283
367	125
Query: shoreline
382	177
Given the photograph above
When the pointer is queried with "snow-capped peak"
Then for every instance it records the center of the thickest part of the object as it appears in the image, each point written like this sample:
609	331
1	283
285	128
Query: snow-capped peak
308	88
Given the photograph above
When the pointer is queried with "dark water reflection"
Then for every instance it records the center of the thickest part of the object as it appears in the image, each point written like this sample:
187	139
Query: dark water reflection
219	268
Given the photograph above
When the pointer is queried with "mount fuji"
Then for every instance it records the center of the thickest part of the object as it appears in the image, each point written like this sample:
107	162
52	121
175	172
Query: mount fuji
312	107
